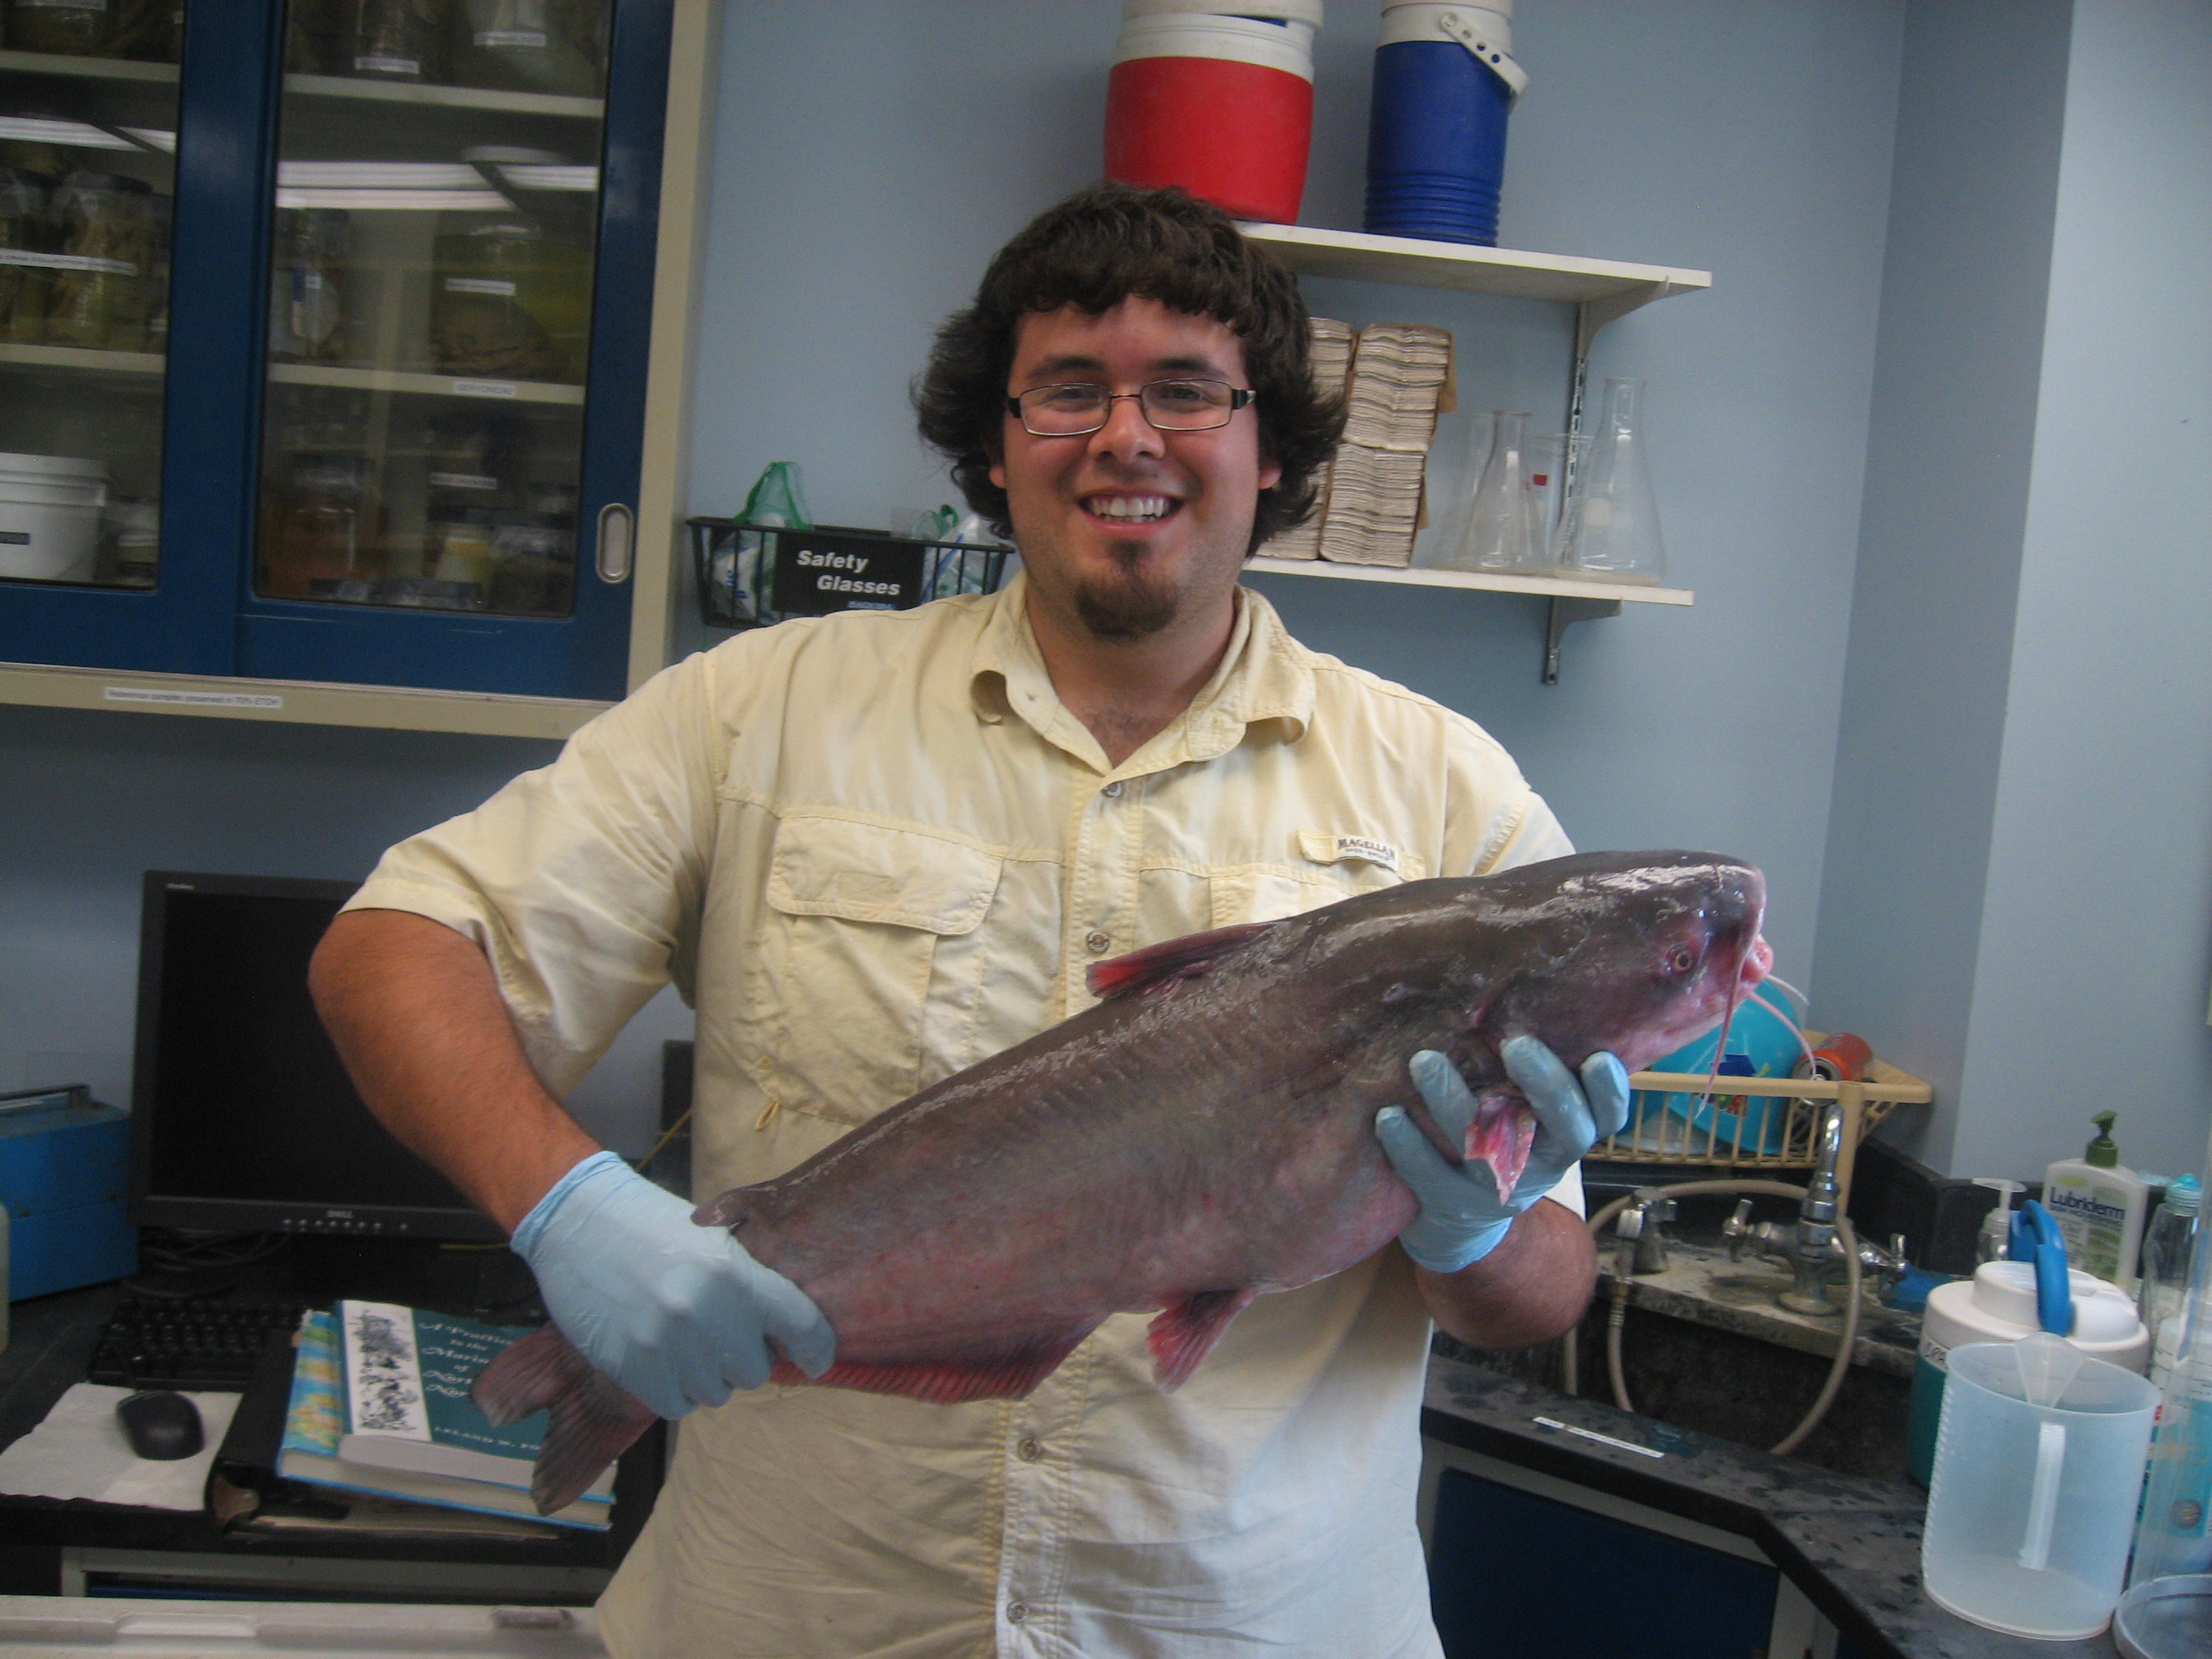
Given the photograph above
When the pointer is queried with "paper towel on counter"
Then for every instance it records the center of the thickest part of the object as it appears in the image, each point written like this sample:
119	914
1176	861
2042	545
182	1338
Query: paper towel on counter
79	1451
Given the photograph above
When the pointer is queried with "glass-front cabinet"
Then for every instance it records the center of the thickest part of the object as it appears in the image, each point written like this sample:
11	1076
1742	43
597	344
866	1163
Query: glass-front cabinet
389	430
87	186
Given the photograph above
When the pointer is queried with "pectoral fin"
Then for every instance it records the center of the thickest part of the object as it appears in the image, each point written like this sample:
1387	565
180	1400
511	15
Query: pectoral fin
1182	1335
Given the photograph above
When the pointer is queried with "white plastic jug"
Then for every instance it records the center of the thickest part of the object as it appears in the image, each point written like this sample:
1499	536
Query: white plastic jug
2038	1463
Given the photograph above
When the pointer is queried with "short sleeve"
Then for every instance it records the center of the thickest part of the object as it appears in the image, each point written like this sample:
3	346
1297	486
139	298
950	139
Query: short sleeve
582	881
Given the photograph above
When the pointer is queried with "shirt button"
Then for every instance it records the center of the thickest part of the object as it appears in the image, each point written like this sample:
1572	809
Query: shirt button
1029	1451
1017	1610
1096	941
1112	788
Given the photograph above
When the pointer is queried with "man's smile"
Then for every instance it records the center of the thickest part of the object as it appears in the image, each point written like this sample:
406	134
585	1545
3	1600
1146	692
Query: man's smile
1125	507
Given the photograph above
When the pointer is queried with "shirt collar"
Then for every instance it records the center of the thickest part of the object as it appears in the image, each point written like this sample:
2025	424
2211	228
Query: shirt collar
1263	677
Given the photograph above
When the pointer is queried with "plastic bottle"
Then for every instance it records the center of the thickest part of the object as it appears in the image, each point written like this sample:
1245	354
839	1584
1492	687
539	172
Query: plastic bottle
1996	1226
2100	1205
2166	1246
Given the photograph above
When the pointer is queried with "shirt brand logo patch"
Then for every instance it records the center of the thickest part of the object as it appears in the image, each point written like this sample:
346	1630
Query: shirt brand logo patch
1336	849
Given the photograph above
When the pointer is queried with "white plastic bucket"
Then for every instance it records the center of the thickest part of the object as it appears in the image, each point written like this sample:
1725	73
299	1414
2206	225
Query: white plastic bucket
49	508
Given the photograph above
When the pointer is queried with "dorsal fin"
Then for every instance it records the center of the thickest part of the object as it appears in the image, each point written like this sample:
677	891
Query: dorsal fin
1158	966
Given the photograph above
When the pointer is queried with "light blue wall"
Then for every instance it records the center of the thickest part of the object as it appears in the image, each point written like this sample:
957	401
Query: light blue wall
1954	398
89	800
2096	936
2017	886
1750	140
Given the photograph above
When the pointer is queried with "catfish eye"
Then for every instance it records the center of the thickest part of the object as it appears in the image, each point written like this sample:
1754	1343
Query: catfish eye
1681	959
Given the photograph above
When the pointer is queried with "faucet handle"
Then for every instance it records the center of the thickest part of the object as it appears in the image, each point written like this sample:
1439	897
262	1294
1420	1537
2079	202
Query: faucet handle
1737	1230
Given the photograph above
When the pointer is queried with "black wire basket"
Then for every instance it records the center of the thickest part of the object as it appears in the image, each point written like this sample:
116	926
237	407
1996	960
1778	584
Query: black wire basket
752	574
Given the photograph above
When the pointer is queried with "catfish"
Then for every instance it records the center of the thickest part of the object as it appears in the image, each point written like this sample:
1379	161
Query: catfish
1203	1134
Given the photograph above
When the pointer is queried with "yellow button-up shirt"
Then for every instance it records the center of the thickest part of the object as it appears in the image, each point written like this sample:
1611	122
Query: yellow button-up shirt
872	850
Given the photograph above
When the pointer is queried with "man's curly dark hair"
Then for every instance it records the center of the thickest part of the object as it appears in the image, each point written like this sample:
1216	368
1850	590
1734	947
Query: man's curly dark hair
1102	246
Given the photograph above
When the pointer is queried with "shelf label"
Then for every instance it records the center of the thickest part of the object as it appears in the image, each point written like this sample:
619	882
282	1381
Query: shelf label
499	285
511	38
192	699
387	66
23	256
484	388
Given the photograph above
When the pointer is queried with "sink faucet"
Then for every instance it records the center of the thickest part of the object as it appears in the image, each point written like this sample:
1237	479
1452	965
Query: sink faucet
1809	1246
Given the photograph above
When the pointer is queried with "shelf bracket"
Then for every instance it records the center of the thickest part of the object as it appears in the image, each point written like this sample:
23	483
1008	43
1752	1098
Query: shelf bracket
1565	612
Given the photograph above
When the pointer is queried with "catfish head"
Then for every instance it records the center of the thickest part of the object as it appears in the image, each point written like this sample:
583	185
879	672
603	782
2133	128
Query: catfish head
1636	953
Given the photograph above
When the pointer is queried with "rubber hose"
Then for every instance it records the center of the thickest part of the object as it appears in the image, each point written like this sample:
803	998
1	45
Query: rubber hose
1618	1318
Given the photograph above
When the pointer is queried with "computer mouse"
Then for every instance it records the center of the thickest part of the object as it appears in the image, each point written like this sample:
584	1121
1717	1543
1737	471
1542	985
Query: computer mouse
162	1425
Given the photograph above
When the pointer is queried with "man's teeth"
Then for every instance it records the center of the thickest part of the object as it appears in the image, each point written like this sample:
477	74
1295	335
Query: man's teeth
1130	507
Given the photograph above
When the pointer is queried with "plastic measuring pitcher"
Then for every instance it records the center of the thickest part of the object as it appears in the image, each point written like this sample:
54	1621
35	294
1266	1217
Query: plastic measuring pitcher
2038	1464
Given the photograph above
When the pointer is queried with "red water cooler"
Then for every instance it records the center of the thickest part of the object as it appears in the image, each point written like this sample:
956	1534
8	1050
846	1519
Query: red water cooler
1216	96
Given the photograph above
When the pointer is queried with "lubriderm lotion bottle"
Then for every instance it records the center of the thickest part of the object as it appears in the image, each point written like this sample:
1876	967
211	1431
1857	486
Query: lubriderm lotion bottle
2100	1205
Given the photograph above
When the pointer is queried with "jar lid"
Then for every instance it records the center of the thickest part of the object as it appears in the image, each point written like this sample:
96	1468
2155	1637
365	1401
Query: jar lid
1258	11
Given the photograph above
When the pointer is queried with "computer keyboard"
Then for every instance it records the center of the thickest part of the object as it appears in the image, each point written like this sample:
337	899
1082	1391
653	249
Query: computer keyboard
150	1342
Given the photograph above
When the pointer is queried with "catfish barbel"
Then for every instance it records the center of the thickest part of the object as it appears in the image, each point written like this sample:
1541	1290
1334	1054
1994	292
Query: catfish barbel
1203	1135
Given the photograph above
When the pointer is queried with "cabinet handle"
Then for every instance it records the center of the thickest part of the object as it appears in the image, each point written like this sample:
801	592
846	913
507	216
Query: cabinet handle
618	543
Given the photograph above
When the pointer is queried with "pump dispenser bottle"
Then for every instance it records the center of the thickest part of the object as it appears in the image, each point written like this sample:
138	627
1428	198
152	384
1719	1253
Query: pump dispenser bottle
2100	1205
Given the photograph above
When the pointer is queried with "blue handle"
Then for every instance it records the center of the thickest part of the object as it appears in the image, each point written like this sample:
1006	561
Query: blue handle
2035	1238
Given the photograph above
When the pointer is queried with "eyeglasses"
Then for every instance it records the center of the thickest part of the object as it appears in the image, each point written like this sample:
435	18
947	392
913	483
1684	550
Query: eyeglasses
1082	406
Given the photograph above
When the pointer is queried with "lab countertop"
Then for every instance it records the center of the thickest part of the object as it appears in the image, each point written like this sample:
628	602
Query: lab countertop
1852	1544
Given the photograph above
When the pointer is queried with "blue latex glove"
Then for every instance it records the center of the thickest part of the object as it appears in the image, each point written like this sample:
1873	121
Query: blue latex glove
677	1313
1461	1220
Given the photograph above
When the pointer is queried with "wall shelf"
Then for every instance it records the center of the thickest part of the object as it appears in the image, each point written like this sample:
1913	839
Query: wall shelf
80	357
1571	601
87	69
1556	587
1600	291
444	97
428	385
1608	286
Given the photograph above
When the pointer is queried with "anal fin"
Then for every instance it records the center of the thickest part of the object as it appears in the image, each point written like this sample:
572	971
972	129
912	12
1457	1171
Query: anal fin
1182	1335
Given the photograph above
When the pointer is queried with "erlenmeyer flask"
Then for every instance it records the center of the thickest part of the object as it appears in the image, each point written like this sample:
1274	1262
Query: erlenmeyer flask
1504	532
1610	528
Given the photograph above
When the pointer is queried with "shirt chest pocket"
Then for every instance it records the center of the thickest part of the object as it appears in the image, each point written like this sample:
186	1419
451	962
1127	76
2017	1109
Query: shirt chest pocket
1269	892
844	971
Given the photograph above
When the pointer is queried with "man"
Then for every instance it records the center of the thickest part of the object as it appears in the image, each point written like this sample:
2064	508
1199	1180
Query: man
878	848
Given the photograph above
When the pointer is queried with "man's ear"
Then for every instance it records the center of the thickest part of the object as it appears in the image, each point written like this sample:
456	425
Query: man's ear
995	449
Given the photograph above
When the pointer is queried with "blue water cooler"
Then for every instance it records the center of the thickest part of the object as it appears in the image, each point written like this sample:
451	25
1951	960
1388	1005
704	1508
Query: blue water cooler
1445	81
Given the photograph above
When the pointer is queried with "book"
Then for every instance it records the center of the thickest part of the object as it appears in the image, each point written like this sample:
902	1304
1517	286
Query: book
407	1377
316	1425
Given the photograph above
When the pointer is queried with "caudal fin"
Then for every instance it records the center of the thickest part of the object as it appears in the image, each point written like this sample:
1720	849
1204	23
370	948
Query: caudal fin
593	1420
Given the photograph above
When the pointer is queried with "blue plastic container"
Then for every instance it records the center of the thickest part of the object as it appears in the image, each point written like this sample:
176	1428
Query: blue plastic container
1435	136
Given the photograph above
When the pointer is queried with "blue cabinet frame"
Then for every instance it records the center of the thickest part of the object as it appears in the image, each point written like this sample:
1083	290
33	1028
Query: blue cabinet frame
202	617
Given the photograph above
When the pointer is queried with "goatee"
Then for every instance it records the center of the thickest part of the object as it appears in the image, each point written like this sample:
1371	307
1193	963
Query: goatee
1130	604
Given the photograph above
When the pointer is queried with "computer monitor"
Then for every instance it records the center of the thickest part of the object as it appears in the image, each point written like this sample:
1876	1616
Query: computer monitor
243	1118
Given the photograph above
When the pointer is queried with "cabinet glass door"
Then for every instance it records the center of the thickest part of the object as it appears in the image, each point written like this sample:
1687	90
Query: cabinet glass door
429	308
460	275
88	95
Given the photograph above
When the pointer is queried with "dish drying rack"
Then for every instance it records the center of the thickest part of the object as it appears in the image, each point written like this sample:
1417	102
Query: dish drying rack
1753	1124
